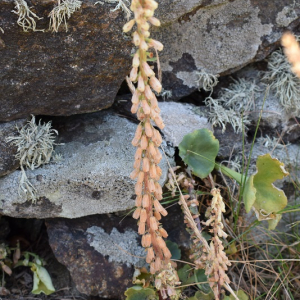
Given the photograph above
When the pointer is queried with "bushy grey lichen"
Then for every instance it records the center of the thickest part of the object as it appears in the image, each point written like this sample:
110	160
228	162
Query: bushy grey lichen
206	80
284	83
62	12
34	148
26	18
121	5
233	104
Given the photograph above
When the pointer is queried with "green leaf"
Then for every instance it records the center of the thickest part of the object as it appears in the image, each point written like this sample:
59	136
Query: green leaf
260	193
202	296
199	150
41	281
240	294
139	293
201	277
184	274
174	249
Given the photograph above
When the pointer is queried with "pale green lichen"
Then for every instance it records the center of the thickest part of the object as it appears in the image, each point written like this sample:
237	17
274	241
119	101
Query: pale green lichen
233	104
62	12
34	148
206	81
123	5
26	18
271	143
284	83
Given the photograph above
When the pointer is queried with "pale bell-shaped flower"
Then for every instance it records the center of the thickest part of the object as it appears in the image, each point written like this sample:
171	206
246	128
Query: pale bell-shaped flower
128	26
42	282
155	44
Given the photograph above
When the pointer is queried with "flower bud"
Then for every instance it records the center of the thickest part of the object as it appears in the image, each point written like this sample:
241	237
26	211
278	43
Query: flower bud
151	185
138	132
155	44
138	201
136	60
158	187
144	143
148	13
163	232
135	142
158	157
143	216
140	114
157	215
155	84
140	177
152	149
146	165
146	107
141	229
136	213
146	240
138	153
154	21
136	39
151	4
134	108
161	243
157	195
153	100
157	264
148	129
134	173
133	74
128	26
6	269
143	45
150	255
138	189
153	171
137	164
146	200
167	253
141	84
145	33
148	93
153	223
148	71
159	122
145	26
135	97
152	268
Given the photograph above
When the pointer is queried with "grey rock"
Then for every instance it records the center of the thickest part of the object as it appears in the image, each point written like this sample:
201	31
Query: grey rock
181	119
101	251
92	178
79	71
220	37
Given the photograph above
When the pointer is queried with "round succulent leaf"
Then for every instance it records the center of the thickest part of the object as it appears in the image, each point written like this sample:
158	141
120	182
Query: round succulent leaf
269	198
249	194
139	293
240	294
174	249
184	274
200	295
199	150
201	277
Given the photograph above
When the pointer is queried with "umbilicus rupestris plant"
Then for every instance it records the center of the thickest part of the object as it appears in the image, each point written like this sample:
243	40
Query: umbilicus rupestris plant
147	139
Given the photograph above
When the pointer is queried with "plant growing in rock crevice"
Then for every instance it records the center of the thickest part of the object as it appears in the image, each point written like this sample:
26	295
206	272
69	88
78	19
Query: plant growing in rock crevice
147	140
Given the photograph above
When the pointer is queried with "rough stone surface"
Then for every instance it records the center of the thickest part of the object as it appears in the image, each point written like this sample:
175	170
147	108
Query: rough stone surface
91	178
220	37
81	70
64	73
181	119
8	163
101	251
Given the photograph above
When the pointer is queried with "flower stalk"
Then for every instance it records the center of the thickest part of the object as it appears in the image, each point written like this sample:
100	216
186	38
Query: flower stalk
147	139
